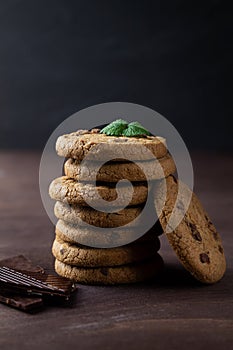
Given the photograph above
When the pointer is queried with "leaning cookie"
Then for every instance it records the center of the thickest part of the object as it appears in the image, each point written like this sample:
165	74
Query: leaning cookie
116	171
96	237
81	216
73	192
195	239
131	273
73	254
83	143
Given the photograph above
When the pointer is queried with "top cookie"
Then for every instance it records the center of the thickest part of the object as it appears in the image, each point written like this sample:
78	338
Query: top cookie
195	240
81	143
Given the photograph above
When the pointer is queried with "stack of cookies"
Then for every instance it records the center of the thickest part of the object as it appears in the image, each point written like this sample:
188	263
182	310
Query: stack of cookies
94	246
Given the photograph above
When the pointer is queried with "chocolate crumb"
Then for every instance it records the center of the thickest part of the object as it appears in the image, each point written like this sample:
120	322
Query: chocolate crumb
204	258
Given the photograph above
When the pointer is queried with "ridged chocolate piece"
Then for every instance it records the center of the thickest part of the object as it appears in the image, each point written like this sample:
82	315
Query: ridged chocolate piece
27	304
33	283
20	262
23	303
24	285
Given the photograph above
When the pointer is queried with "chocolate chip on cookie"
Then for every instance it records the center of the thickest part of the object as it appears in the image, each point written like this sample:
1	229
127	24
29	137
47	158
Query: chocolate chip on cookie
204	258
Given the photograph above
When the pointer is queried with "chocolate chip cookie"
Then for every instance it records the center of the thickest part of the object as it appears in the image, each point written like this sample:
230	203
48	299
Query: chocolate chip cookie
73	192
81	143
74	254
94	236
116	171
195	240
81	216
130	273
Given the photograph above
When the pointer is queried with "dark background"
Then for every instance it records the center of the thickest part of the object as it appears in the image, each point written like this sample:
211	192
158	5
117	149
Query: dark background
59	56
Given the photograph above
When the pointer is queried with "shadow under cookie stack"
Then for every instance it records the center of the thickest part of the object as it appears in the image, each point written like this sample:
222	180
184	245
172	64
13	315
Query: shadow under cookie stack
79	223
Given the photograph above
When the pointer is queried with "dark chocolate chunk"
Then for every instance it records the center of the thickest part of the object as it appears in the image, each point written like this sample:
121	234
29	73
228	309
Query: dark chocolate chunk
220	248
204	258
215	234
20	262
43	284
26	304
104	271
175	179
192	226
196	235
21	280
23	303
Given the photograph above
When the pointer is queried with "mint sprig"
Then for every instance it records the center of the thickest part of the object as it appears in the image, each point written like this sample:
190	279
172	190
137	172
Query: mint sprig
115	128
135	129
120	127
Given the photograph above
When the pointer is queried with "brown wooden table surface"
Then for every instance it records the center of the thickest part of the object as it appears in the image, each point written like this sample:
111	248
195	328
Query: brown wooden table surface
174	312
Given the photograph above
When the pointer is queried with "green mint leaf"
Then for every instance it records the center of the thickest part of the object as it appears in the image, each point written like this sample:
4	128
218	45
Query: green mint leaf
115	128
135	129
121	128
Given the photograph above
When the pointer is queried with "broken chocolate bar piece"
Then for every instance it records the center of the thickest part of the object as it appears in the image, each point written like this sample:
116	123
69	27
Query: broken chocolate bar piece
27	304
26	287
20	262
35	283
